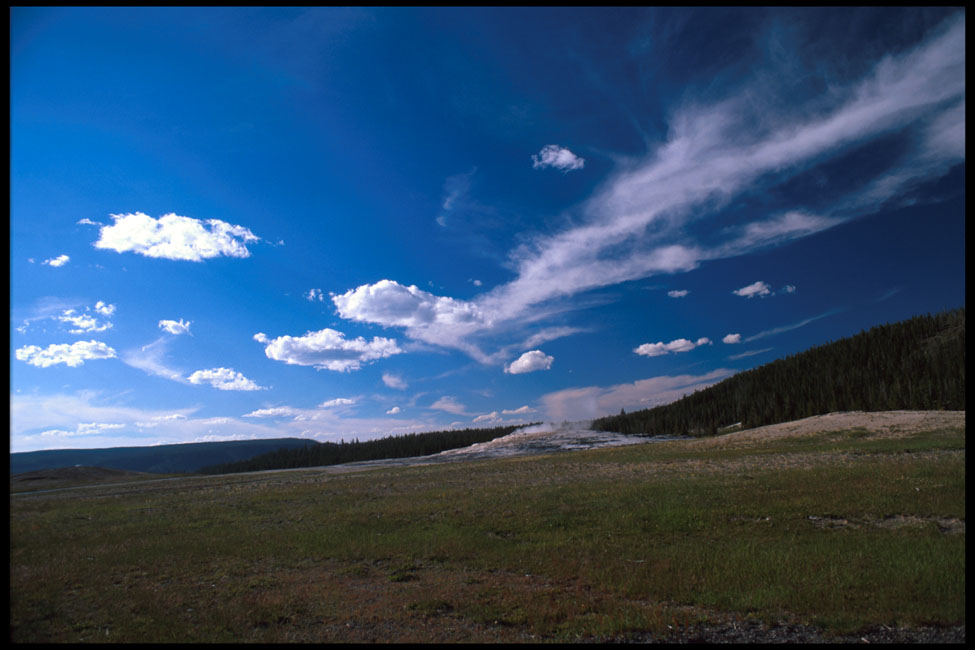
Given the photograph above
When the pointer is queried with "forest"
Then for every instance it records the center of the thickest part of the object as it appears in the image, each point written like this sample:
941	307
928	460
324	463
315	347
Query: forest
334	453
915	364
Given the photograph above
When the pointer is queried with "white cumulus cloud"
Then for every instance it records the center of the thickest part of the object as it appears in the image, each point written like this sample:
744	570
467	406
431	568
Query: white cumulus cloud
552	155
175	327
328	349
72	355
315	294
60	260
175	237
677	345
758	288
393	411
731	338
678	293
530	362
223	379
83	323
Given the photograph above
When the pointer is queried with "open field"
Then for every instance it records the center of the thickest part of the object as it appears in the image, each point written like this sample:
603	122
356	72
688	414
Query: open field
841	527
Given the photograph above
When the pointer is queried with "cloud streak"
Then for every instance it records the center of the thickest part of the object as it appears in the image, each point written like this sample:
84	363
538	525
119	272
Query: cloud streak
595	401
647	219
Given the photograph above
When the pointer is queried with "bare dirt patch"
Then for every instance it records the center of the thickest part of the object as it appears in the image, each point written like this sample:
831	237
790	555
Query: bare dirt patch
877	424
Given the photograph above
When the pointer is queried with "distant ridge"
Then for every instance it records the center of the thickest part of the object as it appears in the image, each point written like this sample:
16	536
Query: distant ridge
160	459
915	364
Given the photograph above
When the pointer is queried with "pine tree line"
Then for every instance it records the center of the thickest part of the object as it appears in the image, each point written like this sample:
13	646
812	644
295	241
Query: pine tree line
916	364
317	454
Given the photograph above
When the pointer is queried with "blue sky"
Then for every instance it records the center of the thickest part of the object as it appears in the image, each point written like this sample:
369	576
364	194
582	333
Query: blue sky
350	223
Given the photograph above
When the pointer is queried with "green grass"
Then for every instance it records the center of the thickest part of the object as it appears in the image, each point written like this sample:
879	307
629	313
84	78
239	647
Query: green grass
557	547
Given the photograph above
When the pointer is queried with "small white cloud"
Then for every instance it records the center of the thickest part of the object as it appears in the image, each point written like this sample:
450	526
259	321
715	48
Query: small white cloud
677	345
487	417
315	294
552	155
88	222
731	338
175	327
678	293
60	260
530	362
103	309
393	411
476	283
72	355
223	379
155	421
394	381
450	405
277	411
754	289
329	349
789	288
338	401
175	237
519	411
82	323
261	337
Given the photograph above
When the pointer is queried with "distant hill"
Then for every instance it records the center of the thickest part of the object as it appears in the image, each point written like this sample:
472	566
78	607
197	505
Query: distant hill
336	453
915	364
160	459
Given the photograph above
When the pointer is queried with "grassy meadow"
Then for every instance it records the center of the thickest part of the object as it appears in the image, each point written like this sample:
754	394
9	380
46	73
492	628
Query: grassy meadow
841	530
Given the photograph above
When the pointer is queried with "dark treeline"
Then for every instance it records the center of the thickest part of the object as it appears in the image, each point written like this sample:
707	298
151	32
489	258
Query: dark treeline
334	453
916	364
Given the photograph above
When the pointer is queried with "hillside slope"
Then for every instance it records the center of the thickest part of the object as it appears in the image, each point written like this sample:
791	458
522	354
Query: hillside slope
159	459
916	364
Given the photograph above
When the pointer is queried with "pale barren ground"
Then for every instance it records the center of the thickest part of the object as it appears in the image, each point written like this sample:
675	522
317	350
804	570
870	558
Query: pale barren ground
881	424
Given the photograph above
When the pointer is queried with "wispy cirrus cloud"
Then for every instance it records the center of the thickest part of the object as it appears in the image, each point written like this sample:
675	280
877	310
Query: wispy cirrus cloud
394	381
651	217
748	353
450	405
338	401
792	326
595	401
175	237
